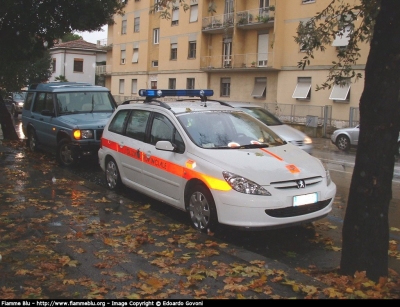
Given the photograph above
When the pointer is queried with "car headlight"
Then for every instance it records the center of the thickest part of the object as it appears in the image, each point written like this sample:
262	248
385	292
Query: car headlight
328	176
243	185
83	134
20	104
307	140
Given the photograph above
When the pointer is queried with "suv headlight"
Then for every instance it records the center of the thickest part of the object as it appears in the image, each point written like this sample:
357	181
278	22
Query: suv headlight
83	134
243	185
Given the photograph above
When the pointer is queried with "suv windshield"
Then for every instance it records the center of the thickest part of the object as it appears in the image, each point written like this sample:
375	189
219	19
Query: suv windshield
84	102
215	129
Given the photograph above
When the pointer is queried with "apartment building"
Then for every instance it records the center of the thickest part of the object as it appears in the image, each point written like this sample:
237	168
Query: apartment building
242	49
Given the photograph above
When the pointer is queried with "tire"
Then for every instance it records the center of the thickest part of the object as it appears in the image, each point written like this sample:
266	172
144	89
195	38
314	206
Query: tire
201	208
112	175
65	155
343	143
32	141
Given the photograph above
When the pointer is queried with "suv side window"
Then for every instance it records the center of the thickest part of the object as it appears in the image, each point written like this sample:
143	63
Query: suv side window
137	124
28	101
44	101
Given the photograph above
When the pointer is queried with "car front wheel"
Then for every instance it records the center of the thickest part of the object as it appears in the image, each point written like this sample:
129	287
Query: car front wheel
65	155
201	208
113	178
32	140
343	143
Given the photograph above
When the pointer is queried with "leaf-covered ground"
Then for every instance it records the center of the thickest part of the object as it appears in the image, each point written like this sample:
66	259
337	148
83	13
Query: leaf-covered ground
61	237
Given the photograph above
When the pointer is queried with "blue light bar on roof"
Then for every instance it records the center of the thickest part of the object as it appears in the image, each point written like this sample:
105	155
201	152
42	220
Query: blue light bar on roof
165	93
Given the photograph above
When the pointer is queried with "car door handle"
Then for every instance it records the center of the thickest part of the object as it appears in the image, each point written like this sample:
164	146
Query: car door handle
138	153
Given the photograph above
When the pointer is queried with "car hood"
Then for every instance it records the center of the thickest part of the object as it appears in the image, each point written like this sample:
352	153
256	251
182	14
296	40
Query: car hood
265	165
95	120
288	133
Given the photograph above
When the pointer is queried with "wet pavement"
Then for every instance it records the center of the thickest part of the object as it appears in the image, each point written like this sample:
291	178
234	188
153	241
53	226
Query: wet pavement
62	236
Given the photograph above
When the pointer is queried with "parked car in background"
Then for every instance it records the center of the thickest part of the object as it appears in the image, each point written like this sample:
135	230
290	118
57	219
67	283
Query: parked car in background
347	138
217	163
68	118
14	102
286	132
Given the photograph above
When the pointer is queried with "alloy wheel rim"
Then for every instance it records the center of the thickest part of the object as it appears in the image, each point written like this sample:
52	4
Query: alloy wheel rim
199	210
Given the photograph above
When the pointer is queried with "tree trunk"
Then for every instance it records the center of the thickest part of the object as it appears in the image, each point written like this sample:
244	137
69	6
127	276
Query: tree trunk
7	124
365	232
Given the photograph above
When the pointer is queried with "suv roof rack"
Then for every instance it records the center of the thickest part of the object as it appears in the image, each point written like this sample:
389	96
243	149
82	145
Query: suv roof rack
42	86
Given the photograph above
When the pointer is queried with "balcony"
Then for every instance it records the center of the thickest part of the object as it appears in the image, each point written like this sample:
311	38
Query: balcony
104	44
218	24
246	61
103	70
255	18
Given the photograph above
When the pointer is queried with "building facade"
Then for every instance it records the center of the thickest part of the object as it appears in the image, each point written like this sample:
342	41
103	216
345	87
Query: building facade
77	60
242	49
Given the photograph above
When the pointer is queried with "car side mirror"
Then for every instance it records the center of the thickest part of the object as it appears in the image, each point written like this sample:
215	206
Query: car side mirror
165	145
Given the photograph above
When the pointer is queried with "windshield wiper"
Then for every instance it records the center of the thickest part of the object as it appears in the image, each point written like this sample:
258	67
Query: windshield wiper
240	147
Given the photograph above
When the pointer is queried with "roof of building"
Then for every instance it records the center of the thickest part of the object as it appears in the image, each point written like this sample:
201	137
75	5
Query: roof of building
77	44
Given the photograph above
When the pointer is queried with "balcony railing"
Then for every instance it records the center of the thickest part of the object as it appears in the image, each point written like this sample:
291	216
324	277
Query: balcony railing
248	60
103	69
104	43
218	22
254	16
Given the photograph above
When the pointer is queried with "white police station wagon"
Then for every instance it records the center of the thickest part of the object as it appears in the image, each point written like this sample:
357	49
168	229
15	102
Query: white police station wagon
218	163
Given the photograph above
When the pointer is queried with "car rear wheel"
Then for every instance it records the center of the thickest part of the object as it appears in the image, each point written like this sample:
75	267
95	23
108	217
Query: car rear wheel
65	155
343	143
201	208
113	178
32	140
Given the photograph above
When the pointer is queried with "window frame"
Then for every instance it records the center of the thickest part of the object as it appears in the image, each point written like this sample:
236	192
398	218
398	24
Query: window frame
121	86
76	66
156	36
190	83
225	87
171	83
136	25
174	52
124	24
192	51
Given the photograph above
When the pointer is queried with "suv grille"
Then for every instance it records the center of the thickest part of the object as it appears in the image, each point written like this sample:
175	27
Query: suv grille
299	210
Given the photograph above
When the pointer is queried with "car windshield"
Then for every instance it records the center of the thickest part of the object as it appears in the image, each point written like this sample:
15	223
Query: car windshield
228	129
84	102
263	115
19	96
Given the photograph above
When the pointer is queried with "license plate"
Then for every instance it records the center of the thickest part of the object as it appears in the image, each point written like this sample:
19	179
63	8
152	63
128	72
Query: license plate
305	199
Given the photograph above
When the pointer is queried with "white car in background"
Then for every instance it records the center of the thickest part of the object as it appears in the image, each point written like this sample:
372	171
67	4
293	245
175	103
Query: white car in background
289	134
347	138
217	163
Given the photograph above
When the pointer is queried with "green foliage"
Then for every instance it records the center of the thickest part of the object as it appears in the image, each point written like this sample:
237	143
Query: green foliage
321	30
165	7
28	28
61	78
70	37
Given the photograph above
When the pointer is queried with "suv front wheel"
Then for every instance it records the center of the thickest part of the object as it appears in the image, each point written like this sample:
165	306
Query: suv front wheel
32	140
65	155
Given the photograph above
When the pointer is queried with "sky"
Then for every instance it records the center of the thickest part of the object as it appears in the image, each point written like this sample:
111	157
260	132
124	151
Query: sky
92	37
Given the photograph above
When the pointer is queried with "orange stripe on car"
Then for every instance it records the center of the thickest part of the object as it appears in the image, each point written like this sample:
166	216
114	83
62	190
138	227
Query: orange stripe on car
175	169
291	167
